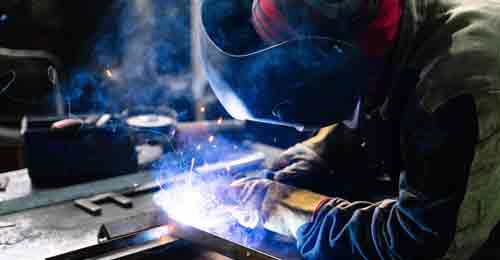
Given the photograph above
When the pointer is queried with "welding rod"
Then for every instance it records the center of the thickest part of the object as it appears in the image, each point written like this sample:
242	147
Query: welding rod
233	166
251	161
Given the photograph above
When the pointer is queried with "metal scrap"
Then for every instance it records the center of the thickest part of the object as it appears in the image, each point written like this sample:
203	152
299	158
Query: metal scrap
90	204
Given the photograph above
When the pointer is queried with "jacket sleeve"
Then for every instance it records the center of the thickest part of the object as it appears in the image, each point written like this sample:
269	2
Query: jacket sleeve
420	224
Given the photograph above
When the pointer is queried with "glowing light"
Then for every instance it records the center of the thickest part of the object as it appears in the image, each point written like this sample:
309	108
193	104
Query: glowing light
220	121
109	73
203	109
164	239
192	206
190	179
160	233
211	139
198	147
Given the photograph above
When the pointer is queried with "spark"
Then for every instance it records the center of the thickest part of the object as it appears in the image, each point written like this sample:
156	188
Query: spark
190	179
109	73
211	139
160	233
203	109
193	205
220	121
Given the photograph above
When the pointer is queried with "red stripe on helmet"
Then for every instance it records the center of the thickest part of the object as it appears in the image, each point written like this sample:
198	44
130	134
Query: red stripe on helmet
260	31
264	28
271	20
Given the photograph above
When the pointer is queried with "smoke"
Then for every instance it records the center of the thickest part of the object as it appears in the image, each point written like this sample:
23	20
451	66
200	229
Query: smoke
140	56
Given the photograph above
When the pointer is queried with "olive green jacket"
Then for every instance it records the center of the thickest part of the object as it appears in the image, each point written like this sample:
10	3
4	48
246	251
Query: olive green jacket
460	54
455	44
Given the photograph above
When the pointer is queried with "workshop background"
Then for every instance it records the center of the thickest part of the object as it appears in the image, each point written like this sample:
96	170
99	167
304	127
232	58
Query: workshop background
105	114
113	56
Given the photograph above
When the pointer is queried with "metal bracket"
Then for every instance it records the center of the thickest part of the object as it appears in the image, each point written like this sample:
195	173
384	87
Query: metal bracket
90	204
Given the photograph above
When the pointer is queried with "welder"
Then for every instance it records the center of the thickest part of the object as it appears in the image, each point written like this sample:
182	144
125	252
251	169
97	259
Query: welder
405	91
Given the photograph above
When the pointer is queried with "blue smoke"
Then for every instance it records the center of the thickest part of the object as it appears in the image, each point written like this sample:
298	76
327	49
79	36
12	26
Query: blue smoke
140	56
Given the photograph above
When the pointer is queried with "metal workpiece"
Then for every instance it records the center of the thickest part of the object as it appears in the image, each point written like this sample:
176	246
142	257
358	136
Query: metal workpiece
131	225
140	236
218	244
43	223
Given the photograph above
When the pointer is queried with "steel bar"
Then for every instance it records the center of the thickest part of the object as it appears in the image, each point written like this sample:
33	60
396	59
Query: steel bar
134	224
118	248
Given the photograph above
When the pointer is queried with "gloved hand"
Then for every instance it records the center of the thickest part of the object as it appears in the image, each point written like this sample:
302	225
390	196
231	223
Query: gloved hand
280	208
302	167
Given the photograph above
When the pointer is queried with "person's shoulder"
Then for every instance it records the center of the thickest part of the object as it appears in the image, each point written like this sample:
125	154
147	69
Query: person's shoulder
461	51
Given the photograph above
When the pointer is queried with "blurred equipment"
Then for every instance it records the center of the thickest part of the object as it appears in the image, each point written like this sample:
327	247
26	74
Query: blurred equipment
152	126
63	151
85	152
28	85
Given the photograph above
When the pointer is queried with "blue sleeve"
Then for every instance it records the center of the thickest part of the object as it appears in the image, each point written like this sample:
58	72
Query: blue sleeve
420	223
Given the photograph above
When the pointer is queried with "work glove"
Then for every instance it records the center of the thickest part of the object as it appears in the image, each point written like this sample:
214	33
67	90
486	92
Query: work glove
302	167
278	207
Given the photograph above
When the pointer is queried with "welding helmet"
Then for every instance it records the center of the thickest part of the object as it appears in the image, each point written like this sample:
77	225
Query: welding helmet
308	82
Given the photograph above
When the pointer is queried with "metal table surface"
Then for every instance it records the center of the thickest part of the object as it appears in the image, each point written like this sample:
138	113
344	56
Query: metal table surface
47	231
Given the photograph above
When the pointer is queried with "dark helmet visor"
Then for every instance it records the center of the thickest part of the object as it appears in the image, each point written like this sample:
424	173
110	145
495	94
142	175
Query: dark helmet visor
307	82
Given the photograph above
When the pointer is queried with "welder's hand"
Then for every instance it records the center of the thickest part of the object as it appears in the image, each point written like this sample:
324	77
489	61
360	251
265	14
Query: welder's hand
279	207
301	167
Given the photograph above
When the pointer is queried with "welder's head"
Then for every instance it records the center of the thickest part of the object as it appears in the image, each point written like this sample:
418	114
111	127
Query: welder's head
301	63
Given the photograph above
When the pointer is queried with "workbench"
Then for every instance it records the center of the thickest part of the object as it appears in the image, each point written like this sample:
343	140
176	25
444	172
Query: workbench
38	233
